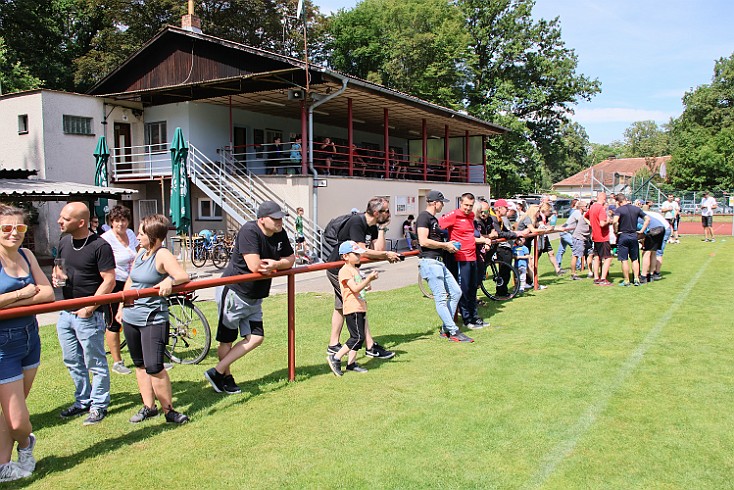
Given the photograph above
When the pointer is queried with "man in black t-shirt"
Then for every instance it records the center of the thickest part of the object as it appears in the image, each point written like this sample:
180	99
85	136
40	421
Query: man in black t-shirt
625	225
88	270
362	228
261	246
433	246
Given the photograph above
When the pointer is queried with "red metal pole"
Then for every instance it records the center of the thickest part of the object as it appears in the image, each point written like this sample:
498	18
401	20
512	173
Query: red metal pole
536	256
291	327
304	130
424	131
386	122
350	136
446	152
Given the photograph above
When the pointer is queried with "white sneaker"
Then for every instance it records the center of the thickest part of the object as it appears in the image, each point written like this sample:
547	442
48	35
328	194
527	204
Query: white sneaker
120	368
25	456
12	471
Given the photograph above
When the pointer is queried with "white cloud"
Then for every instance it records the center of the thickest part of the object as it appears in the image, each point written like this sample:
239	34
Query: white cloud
620	114
673	93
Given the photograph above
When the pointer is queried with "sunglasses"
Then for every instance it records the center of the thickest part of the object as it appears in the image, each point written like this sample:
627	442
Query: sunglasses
20	228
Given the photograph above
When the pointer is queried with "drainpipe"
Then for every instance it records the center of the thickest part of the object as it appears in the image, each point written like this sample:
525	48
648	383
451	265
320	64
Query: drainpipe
315	217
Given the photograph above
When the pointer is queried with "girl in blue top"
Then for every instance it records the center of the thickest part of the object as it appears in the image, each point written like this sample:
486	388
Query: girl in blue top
145	322
22	283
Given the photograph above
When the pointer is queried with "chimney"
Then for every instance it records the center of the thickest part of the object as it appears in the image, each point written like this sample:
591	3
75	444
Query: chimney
190	22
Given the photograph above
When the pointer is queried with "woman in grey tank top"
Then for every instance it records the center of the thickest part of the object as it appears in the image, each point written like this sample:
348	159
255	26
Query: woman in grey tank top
145	322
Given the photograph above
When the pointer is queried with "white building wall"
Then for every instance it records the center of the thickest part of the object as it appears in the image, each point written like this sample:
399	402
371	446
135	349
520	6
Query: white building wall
22	151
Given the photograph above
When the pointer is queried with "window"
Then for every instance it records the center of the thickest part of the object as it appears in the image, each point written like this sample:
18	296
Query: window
77	125
147	207
22	123
155	136
209	210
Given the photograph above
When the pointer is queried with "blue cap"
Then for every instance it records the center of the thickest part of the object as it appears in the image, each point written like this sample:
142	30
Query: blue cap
350	246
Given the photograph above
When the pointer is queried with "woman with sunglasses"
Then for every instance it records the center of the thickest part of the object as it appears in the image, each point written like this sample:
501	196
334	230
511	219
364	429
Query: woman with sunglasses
22	283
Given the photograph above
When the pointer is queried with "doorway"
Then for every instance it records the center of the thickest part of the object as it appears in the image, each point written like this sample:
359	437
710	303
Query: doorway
124	149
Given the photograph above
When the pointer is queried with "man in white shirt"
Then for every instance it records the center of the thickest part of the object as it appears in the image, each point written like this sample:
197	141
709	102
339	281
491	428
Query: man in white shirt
671	211
708	204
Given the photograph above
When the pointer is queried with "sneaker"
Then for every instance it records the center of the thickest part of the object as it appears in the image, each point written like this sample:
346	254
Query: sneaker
335	365
25	456
650	278
230	386
144	413
561	272
356	368
542	287
475	324
333	349
379	352
175	417
637	282
120	368
215	379
96	415
73	411
443	333
657	276
577	278
590	275
12	471
604	282
643	280
624	284
460	337
713	240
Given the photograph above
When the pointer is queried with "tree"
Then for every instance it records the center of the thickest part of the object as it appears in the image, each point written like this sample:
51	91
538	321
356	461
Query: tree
703	136
569	152
601	152
645	139
13	76
414	46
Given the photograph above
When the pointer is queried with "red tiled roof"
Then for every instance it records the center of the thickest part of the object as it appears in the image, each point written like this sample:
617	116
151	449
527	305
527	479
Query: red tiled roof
606	170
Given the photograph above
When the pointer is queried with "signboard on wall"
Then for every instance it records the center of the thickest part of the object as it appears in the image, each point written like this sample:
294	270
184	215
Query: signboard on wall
405	205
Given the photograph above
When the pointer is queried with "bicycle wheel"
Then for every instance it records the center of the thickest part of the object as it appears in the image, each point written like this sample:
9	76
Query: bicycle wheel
493	285
220	256
198	255
423	285
189	334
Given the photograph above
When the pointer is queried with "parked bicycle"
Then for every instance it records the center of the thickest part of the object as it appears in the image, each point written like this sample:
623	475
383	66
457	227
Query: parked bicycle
491	283
209	246
189	334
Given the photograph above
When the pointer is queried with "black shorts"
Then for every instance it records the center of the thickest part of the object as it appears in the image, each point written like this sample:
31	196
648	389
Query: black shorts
654	239
334	280
628	247
707	221
110	310
355	325
603	250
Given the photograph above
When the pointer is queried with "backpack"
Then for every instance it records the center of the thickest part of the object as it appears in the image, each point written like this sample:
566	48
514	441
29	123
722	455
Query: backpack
331	233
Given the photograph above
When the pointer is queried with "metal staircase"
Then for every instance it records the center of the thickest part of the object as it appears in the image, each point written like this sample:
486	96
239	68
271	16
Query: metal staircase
239	192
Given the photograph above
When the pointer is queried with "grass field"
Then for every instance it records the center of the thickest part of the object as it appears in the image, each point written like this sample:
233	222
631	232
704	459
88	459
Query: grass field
576	386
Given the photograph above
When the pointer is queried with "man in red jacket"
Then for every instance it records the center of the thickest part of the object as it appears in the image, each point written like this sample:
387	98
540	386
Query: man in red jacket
460	225
599	220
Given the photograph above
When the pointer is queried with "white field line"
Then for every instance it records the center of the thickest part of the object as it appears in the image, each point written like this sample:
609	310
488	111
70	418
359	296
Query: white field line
588	418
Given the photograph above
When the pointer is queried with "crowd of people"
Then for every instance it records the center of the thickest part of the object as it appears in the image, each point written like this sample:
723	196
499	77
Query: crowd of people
454	250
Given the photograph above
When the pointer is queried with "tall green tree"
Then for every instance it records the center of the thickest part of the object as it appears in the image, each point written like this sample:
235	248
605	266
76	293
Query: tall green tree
646	139
702	138
569	152
601	152
14	77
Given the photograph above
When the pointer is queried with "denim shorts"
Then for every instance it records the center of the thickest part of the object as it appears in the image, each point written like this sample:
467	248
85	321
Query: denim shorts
20	350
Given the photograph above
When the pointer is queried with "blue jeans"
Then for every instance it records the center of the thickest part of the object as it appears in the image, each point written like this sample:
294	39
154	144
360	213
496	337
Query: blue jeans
445	289
661	250
82	346
566	242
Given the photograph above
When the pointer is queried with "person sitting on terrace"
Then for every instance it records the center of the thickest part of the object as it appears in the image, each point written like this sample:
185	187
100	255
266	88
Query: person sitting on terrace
274	156
327	151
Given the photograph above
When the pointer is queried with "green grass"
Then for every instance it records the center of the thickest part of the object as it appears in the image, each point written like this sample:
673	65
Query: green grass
575	386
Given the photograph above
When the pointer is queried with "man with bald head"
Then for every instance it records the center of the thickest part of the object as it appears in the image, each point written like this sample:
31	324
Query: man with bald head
89	271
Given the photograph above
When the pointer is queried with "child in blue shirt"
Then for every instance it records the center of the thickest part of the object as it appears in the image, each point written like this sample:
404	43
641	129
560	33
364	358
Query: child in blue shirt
522	255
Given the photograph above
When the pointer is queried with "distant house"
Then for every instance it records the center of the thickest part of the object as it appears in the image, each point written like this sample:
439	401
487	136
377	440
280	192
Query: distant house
611	175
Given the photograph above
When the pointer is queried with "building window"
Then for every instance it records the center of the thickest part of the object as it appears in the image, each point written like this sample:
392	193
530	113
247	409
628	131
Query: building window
22	123
209	210
155	136
77	125
146	207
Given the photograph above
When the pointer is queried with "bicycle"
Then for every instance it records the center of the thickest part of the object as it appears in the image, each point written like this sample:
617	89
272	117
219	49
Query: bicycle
207	246
189	335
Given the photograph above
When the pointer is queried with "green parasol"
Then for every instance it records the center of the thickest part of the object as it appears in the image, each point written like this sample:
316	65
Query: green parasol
101	156
180	201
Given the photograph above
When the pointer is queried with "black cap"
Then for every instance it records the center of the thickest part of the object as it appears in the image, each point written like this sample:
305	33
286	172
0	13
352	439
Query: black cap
434	196
270	209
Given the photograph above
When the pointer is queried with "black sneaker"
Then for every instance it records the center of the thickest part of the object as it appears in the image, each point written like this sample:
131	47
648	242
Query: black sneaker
356	368
73	411
333	349
379	352
175	417
95	416
335	365
215	379
643	280
230	386
657	276
144	414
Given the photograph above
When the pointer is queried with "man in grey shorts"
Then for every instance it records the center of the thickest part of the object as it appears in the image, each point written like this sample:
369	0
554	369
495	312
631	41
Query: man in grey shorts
261	246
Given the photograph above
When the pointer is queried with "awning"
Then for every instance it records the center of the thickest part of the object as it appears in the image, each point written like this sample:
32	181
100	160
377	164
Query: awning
47	190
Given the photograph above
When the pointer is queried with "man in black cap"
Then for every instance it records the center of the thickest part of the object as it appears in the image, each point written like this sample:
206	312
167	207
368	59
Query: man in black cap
261	246
433	245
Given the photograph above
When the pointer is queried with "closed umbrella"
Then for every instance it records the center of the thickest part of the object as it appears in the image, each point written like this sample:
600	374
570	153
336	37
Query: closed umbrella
101	155
180	202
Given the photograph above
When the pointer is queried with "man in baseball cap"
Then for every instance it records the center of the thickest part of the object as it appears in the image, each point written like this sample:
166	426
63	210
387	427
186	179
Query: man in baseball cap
436	196
270	209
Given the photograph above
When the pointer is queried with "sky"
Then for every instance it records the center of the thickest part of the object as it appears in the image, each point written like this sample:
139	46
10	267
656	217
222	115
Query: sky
645	53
